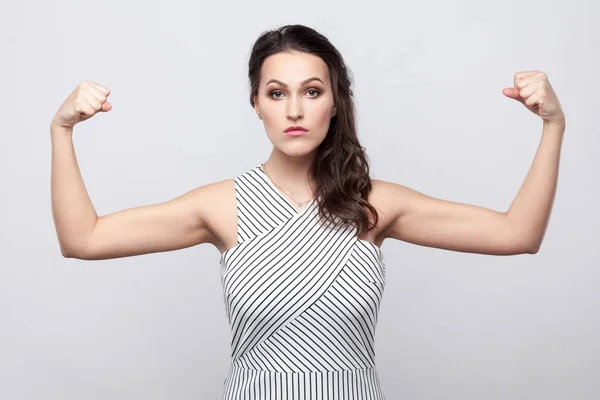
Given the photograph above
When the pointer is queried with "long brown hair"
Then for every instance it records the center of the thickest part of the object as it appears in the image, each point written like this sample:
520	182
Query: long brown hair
341	169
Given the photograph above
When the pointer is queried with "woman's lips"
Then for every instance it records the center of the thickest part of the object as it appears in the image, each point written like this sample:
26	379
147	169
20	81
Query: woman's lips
298	132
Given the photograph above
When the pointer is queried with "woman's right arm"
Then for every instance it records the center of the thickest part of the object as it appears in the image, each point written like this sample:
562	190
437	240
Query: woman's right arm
174	224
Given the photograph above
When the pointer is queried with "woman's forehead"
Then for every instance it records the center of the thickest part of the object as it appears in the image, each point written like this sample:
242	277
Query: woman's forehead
293	68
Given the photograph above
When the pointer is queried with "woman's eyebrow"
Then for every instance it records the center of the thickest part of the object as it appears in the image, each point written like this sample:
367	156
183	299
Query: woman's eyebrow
314	78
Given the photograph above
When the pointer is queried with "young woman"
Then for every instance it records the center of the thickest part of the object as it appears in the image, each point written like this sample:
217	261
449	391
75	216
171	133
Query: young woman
300	235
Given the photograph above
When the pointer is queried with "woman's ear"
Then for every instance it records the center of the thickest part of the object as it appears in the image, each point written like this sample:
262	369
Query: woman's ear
255	101
334	111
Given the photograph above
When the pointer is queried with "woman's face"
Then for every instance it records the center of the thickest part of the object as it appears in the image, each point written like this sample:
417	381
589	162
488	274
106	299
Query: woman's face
295	89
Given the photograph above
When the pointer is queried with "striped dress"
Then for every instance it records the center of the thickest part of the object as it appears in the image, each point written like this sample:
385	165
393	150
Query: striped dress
301	299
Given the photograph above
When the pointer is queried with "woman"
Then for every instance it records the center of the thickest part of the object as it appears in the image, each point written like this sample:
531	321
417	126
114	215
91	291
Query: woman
300	235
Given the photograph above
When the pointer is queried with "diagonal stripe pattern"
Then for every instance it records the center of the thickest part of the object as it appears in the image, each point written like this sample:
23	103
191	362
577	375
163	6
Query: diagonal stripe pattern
302	301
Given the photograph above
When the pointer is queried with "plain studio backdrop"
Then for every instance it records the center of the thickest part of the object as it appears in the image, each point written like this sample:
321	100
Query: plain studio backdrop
431	115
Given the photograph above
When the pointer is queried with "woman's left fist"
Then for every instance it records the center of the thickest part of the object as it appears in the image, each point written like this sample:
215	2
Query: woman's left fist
533	89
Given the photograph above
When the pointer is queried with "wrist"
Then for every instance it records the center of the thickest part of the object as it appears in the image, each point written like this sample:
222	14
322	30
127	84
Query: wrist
555	125
56	129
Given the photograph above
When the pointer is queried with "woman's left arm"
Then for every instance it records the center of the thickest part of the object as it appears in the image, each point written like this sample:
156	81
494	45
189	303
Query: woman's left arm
425	220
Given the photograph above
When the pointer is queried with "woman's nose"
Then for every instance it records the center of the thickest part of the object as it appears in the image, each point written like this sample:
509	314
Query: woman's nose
294	109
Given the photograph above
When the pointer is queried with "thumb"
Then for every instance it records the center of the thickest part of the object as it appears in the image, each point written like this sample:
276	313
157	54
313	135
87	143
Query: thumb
106	107
513	93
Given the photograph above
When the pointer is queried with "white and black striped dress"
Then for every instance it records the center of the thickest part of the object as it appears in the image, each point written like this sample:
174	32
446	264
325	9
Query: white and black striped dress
302	301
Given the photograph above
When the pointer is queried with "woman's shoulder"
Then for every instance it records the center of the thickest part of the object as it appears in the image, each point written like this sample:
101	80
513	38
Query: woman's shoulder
379	193
383	192
217	196
216	206
220	194
385	197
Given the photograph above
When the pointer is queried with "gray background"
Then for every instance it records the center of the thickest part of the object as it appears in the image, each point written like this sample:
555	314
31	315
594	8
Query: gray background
429	79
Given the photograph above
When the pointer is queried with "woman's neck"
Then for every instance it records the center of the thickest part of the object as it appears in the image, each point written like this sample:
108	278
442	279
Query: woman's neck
291	174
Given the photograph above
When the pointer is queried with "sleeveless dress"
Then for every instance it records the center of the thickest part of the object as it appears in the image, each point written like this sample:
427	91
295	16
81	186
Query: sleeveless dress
301	299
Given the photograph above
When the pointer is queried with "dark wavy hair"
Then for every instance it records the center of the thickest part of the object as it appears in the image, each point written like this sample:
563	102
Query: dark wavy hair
341	169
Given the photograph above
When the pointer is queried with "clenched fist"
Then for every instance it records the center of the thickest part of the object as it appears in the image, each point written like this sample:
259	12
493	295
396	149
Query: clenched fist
533	89
87	99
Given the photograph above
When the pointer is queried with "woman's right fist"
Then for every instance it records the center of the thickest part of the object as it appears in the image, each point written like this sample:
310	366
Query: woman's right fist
87	99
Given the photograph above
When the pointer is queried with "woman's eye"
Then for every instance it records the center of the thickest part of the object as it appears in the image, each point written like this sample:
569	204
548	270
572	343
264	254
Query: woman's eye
276	94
